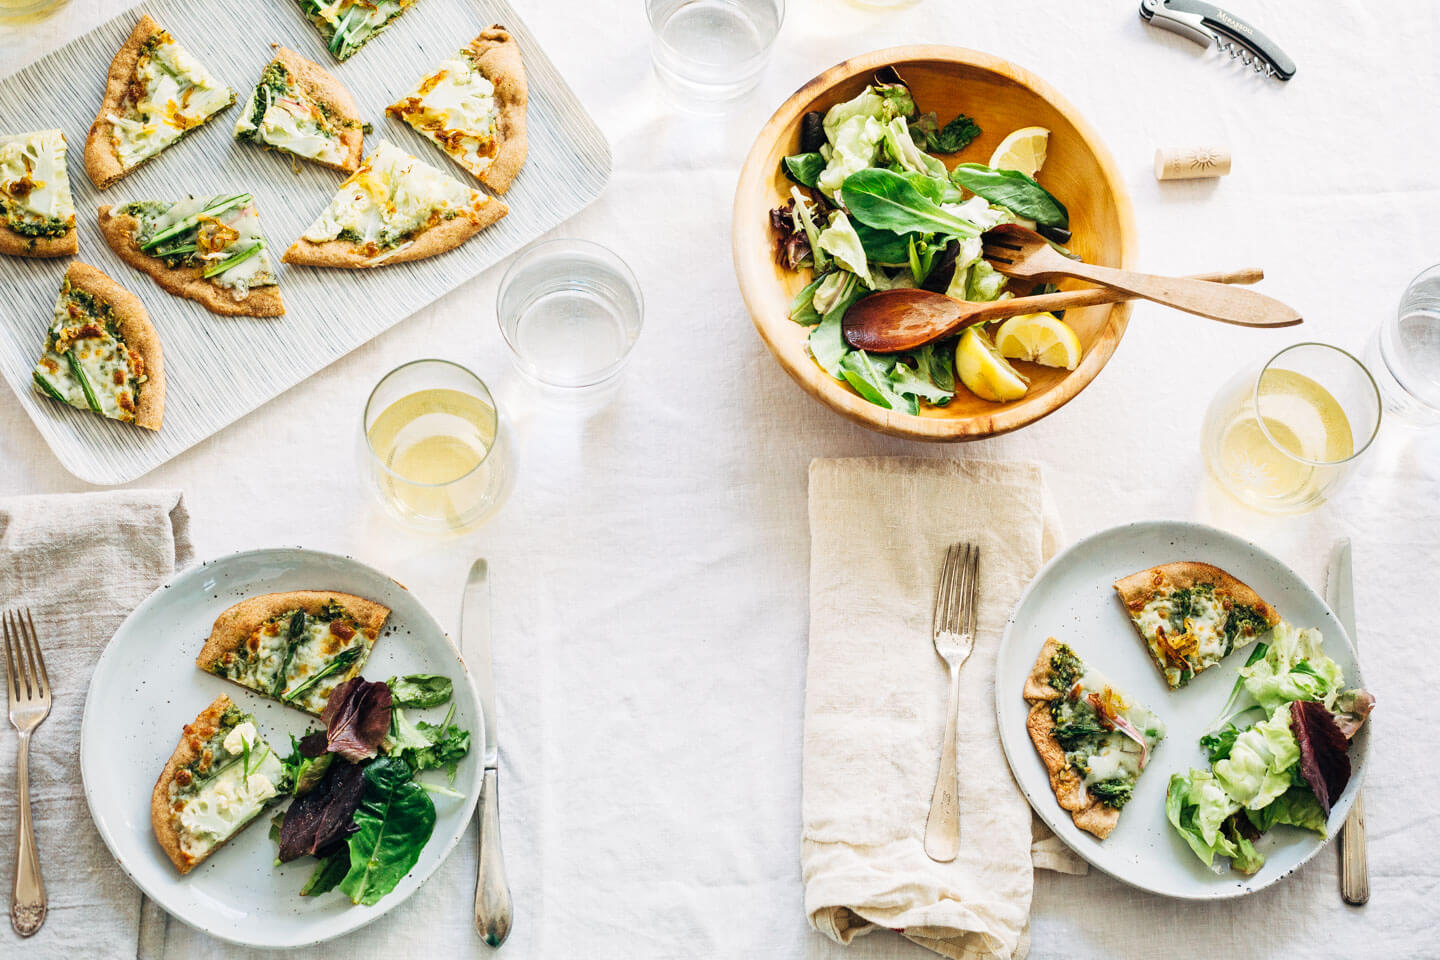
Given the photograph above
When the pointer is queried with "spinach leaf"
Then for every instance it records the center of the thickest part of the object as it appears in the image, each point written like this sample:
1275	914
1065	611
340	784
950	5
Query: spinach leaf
890	201
328	872
802	308
420	690
394	820
954	136
884	247
803	168
1012	190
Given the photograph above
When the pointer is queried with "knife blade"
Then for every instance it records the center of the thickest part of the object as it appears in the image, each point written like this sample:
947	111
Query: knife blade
493	908
1340	595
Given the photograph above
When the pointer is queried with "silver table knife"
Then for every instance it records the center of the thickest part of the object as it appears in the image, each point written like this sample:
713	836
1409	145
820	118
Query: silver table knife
492	893
1354	873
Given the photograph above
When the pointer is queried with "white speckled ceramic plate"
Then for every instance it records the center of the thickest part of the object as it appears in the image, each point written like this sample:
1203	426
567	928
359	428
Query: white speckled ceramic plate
1073	600
146	687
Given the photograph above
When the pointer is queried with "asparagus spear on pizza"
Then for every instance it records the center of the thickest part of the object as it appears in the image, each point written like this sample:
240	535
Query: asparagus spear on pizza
347	25
1192	615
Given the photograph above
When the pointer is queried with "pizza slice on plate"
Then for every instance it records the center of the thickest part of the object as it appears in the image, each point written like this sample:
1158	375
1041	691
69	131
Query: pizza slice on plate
220	778
473	107
37	214
156	93
1094	741
295	647
393	209
1191	616
347	25
300	109
209	250
101	353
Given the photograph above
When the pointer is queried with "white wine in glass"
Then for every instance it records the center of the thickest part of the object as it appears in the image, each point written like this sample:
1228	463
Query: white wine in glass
1283	438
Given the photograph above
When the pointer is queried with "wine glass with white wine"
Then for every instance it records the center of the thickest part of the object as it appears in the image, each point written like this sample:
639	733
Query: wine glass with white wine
21	11
433	448
1282	438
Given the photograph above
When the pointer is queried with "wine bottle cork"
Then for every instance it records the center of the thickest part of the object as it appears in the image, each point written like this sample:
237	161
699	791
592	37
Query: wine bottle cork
1191	163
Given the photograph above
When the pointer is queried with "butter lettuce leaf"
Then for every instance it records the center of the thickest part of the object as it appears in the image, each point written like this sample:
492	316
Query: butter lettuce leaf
843	244
1297	807
1257	769
1294	667
1197	806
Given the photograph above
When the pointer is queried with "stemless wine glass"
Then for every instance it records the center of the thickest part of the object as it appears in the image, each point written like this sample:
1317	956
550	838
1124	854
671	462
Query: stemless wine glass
17	11
433	447
710	51
1282	438
1404	353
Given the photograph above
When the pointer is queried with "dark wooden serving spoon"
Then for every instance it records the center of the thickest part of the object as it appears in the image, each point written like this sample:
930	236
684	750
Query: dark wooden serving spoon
893	321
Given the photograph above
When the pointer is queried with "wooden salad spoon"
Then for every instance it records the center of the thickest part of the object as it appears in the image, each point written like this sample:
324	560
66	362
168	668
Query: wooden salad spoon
1018	252
893	321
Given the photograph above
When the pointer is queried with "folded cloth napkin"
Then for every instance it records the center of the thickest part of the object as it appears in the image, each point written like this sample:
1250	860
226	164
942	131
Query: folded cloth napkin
875	696
80	563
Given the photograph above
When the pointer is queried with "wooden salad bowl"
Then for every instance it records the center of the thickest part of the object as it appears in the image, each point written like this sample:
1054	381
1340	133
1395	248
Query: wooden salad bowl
1001	97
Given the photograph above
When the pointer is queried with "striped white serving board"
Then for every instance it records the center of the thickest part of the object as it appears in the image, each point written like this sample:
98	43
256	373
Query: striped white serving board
220	368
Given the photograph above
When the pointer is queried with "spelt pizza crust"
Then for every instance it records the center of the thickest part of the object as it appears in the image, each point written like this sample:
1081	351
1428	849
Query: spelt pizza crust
432	241
140	337
321	87
163	820
187	281
14	244
497	56
1088	813
102	163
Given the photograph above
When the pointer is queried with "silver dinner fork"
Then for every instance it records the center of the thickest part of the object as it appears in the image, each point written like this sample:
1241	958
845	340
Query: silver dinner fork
954	626
29	687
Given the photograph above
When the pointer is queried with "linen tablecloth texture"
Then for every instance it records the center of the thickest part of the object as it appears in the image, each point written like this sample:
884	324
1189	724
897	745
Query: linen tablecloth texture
875	696
80	563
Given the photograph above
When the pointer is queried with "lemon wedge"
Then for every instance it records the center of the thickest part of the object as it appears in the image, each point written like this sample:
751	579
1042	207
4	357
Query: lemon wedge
1023	150
1042	338
984	372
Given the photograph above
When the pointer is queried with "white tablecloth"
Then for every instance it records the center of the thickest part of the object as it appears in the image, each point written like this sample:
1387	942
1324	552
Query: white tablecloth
650	572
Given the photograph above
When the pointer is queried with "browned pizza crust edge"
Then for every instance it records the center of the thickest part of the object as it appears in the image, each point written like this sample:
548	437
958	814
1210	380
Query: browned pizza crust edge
441	238
497	56
162	819
321	86
140	337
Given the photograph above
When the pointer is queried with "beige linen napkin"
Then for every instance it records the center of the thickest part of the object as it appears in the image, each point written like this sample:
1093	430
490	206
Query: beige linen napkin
875	696
80	563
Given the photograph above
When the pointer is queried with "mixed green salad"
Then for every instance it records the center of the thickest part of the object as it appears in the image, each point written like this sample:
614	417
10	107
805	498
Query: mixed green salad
1279	759
360	808
872	207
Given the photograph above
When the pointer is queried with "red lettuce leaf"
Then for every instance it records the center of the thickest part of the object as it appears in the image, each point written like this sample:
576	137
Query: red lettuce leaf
318	821
1323	761
1352	707
357	717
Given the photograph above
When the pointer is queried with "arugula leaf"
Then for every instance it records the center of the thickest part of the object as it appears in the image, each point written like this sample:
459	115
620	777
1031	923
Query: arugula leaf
914	383
394	822
1014	191
420	690
803	168
869	376
427	746
890	201
954	136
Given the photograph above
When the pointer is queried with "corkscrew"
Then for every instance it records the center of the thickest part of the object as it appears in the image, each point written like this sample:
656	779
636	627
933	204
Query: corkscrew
1206	24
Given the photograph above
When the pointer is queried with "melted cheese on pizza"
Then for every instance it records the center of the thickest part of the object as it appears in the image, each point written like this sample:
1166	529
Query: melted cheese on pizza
279	115
172	93
348	24
455	107
233	780
213	241
391	197
1188	631
86	363
277	663
34	187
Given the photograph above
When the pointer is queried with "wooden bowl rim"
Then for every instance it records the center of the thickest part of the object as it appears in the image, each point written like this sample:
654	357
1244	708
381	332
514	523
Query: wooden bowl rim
753	178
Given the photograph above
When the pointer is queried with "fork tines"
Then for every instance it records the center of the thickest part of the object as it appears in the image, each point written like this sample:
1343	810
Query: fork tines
27	679
955	592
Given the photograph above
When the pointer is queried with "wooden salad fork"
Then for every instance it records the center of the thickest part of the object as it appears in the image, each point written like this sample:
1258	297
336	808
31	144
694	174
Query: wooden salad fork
954	628
1018	252
29	688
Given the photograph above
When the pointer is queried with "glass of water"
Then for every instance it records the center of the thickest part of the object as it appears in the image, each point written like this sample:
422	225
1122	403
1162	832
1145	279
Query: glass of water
570	311
1404	353
1282	438
710	51
432	447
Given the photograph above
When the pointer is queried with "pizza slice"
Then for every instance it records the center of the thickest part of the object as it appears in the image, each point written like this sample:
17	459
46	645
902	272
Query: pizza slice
295	647
1094	741
347	25
155	94
37	214
473	108
220	778
209	250
1191	615
300	109
102	354
393	209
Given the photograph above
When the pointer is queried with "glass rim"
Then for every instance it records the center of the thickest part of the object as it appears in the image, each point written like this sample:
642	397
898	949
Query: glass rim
528	256
779	6
1369	378
365	416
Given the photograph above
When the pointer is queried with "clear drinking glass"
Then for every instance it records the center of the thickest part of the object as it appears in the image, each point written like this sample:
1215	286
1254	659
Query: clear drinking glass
1404	353
1283	437
712	50
570	311
433	447
16	11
